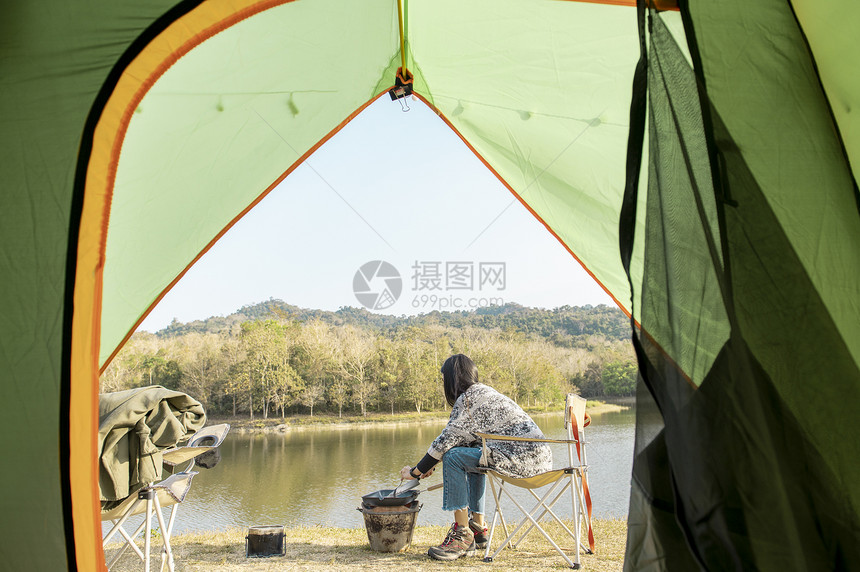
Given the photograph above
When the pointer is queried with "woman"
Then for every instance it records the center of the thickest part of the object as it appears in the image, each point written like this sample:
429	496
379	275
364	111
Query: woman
476	408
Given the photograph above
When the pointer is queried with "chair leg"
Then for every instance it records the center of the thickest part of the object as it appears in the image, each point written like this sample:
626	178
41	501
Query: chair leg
529	517
164	555
117	527
577	516
129	542
147	540
117	524
490	538
501	514
541	503
496	513
166	550
509	537
548	509
583	512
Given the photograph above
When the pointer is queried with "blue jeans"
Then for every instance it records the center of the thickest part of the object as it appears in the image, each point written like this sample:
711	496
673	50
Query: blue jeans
462	488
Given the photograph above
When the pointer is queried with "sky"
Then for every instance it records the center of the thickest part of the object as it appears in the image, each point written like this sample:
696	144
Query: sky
397	187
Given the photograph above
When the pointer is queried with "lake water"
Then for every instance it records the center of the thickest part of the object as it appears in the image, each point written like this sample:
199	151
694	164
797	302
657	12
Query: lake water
318	476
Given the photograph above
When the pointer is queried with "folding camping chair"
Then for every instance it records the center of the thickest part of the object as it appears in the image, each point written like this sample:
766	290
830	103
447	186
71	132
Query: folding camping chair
153	498
573	477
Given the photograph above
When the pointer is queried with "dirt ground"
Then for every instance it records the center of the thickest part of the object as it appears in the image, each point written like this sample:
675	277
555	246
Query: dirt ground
323	548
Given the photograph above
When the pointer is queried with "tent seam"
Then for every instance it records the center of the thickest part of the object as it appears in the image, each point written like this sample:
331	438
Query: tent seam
521	200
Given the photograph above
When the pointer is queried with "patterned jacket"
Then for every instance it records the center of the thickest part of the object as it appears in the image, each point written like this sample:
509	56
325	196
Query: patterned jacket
483	409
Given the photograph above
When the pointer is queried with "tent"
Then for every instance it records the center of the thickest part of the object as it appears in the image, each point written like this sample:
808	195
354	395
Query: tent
136	133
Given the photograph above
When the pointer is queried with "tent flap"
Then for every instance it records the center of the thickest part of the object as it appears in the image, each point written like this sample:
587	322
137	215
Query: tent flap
747	457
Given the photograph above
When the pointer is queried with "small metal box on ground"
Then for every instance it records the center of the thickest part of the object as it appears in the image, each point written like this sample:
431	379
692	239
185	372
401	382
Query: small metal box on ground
265	541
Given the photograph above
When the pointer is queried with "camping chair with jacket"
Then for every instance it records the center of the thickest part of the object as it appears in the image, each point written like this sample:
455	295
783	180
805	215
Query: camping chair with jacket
572	478
170	492
139	434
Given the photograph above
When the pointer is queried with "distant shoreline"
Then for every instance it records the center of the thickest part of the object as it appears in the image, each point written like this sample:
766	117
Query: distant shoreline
330	422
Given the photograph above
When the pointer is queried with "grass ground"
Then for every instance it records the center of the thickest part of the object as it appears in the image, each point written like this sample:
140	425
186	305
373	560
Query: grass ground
323	548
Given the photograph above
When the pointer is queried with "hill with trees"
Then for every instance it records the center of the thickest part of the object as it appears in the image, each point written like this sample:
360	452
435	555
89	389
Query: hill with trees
275	359
565	325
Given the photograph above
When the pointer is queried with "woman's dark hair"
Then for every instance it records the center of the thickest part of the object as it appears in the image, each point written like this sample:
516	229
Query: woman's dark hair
459	373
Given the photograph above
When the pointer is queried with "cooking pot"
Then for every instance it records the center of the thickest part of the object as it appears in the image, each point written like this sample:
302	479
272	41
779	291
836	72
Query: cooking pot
400	496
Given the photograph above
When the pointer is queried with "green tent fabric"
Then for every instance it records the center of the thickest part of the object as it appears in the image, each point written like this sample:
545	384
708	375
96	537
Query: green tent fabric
136	133
569	129
753	457
135	426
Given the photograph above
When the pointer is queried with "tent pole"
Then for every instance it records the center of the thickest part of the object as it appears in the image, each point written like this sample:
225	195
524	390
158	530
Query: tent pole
402	42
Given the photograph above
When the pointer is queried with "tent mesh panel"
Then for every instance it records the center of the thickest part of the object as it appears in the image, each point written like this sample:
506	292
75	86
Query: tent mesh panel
729	472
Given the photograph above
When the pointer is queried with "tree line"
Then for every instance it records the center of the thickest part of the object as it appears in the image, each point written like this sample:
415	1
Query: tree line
281	362
568	326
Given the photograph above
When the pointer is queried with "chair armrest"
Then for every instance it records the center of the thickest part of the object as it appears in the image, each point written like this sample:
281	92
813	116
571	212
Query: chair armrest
484	436
178	455
214	435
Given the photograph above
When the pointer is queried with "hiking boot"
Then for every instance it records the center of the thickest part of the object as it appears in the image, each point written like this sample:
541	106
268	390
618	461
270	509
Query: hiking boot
480	532
460	541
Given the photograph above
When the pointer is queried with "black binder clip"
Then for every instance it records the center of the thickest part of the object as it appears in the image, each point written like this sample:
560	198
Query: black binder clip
402	88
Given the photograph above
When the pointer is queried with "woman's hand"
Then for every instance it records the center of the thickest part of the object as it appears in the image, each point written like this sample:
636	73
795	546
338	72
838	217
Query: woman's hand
406	473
